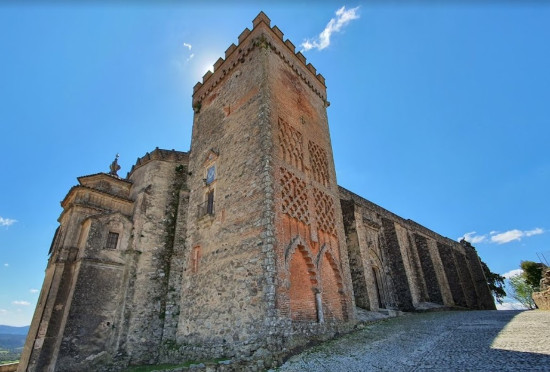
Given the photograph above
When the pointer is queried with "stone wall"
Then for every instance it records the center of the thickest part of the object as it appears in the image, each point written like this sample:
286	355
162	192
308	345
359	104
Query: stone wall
228	284
451	272
357	262
309	231
484	297
542	298
157	187
274	236
396	266
104	298
421	267
428	269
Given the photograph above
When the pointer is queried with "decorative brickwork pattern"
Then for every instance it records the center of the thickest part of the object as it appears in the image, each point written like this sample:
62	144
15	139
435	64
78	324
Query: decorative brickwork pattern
319	163
294	195
332	286
291	142
324	210
302	280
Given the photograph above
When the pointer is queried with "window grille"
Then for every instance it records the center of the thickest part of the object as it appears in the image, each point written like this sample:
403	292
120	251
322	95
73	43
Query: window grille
208	206
112	240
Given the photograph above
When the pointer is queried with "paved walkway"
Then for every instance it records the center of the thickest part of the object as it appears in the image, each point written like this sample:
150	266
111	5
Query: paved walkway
442	341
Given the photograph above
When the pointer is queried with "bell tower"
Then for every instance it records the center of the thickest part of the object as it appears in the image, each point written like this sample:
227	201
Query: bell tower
267	240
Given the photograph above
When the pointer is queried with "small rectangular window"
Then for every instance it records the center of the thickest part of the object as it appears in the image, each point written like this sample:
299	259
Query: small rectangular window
210	203
112	240
207	207
210	175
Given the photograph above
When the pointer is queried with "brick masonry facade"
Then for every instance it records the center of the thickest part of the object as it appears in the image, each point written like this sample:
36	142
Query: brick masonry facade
243	247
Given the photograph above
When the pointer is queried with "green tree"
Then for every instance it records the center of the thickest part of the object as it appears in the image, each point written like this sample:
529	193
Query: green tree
532	273
521	291
495	283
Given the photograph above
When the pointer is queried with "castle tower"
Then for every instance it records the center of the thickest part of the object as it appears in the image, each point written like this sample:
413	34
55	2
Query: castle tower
266	244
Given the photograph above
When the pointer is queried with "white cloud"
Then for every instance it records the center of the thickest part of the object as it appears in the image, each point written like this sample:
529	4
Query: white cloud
473	238
180	62
512	235
189	46
3	311
343	17
34	290
536	231
21	303
507	236
7	221
6	264
512	273
500	237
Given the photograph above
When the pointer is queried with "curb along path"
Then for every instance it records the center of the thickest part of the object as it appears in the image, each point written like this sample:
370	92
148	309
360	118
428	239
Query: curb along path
440	341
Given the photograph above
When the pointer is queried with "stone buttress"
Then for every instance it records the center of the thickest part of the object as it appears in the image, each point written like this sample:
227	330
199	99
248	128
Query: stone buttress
398	264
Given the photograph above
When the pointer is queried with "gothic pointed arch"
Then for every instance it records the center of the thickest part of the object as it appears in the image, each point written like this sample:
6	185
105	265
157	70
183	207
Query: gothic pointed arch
375	258
303	281
331	285
297	243
379	281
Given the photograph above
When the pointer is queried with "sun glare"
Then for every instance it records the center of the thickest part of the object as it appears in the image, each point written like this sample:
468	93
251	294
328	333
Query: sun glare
202	65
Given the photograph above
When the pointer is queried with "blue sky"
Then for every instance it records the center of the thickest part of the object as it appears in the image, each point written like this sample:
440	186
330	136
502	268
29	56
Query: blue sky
440	111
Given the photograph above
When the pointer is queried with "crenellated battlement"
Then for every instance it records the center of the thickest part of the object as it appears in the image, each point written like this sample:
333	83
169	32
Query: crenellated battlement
159	154
265	36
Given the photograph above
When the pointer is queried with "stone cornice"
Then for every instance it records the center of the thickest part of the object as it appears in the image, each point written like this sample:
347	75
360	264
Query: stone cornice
263	36
74	189
105	176
96	199
107	183
162	155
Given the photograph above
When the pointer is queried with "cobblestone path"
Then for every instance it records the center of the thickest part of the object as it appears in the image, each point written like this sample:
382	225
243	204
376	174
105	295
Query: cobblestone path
441	341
